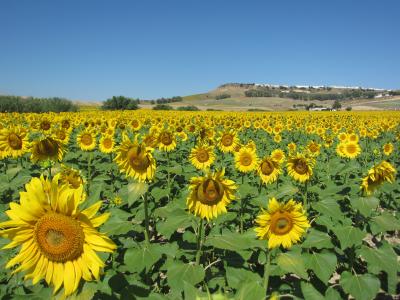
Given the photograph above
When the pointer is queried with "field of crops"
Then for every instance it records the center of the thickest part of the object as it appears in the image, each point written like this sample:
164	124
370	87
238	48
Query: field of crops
205	205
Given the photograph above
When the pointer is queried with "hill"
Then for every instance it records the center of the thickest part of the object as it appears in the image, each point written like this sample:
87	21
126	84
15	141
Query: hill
245	96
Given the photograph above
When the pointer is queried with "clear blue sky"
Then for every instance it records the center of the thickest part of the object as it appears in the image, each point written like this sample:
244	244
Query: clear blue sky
91	50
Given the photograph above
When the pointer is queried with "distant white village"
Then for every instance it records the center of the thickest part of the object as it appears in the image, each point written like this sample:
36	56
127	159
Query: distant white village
317	86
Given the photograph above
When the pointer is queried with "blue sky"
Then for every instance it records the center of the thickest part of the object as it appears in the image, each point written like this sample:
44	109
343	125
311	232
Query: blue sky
92	50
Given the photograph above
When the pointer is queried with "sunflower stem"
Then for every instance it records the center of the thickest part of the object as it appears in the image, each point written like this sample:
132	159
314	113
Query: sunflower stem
89	173
199	241
266	271
146	219
305	196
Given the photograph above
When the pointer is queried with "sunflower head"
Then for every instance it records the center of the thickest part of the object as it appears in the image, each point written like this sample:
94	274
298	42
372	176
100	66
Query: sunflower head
269	170
202	156
47	148
14	141
282	223
227	141
377	175
209	195
106	144
86	140
70	177
246	160
166	141
58	240
300	167
135	159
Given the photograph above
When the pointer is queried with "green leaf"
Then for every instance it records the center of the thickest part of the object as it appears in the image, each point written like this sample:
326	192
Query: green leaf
233	241
250	290
159	193
179	272
292	262
328	207
178	218
133	191
384	222
117	223
138	259
322	264
236	276
317	239
361	287
283	191
365	205
309	292
349	236
382	259
332	294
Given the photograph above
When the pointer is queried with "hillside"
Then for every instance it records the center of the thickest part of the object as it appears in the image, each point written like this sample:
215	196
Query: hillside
235	96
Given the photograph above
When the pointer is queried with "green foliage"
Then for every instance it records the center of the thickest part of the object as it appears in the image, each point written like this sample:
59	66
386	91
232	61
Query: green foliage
120	103
162	107
222	96
188	108
36	105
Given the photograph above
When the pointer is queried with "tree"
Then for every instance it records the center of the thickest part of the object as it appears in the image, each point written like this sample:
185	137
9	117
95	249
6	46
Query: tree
336	105
120	103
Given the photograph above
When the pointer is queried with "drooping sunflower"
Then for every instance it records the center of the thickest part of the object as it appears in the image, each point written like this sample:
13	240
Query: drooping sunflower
209	195
227	141
47	148
166	141
246	160
86	140
58	240
202	156
387	149
300	167
136	159
14	141
377	175
269	170
106	144
282	223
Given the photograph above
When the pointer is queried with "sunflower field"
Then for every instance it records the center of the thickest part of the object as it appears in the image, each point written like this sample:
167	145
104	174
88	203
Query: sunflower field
200	205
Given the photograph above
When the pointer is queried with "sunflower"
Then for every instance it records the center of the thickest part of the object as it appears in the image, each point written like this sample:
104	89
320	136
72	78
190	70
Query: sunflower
269	170
47	148
106	144
277	138
58	240
202	156
70	177
282	223
300	167
246	160
62	135
86	140
227	141
278	155
291	147
166	141
14	141
351	149
313	148
388	149
377	175
209	195
135	159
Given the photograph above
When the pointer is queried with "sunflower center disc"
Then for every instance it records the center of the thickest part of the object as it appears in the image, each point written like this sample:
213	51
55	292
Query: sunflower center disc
246	160
60	238
166	139
210	192
227	140
301	167
267	168
281	223
351	148
202	156
45	125
137	159
48	147
107	143
86	139
15	141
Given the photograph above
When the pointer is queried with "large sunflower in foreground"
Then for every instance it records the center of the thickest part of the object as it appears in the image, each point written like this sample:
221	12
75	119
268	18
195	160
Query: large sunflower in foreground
300	167
14	141
377	175
269	170
209	195
136	159
282	223
58	240
202	156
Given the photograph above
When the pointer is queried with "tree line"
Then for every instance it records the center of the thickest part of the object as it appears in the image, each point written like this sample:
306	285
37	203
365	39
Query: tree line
120	103
167	100
344	95
35	105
